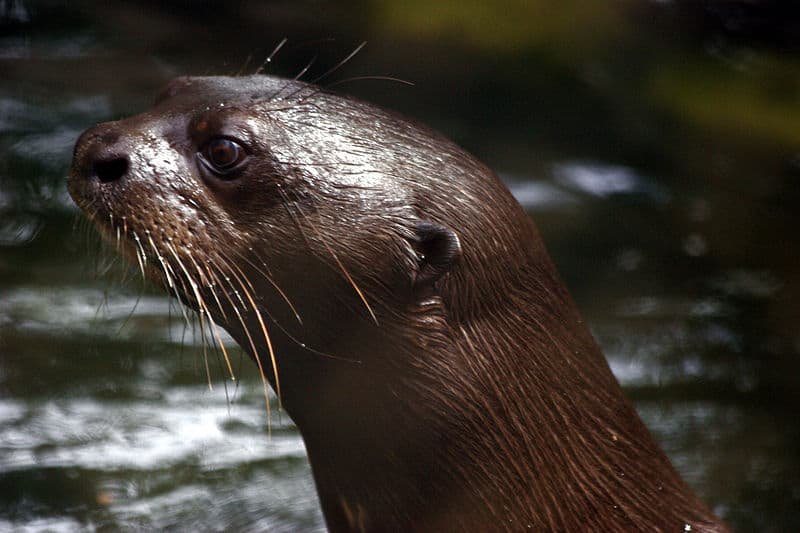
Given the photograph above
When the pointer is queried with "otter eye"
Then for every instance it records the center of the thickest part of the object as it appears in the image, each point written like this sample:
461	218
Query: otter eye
222	155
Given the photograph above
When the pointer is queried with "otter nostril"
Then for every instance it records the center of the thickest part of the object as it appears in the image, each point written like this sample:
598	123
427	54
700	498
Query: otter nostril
109	170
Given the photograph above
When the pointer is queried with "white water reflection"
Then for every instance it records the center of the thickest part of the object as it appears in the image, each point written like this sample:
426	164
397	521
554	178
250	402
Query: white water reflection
51	149
20	231
74	308
538	194
748	283
570	180
188	424
115	315
22	117
603	180
40	525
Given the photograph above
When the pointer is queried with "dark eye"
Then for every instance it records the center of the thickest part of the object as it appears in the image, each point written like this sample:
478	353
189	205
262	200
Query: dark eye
222	155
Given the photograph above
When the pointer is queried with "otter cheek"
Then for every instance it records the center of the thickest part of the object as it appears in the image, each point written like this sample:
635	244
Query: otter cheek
158	162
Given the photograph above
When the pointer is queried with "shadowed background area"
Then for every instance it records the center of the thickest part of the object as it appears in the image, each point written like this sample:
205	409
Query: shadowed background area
656	144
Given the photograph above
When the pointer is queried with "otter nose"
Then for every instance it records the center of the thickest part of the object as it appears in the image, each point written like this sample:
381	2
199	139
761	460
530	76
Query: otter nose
100	154
110	169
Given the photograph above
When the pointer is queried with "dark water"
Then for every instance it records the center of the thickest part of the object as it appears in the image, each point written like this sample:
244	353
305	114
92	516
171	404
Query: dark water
656	144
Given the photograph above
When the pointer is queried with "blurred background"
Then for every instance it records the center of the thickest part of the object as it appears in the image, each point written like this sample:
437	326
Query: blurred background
655	143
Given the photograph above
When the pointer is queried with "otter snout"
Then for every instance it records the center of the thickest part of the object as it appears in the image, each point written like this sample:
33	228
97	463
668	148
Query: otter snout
100	157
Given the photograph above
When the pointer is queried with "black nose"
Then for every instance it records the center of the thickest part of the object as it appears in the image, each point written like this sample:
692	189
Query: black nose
101	154
110	169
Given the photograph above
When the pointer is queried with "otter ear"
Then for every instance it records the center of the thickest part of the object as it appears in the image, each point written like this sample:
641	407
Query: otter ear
437	248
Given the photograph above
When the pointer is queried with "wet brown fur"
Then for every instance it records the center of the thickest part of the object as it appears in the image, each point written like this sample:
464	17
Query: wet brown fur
477	401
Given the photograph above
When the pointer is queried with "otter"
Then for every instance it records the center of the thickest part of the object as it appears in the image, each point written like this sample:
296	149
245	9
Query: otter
398	300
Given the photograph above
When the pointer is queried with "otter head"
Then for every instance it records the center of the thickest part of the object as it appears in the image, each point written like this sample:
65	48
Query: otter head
273	207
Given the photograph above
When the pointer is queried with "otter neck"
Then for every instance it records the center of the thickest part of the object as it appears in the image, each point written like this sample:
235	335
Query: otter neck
478	425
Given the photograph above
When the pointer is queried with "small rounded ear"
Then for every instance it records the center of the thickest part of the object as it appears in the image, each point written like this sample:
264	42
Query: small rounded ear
437	248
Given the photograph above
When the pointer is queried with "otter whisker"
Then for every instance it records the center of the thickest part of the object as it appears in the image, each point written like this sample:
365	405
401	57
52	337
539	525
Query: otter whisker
275	94
224	382
204	343
300	74
166	268
340	64
244	66
107	265
78	221
272	282
132	311
283	329
200	303
202	309
333	254
286	204
215	332
369	78
253	349
312	88
141	258
160	258
212	281
346	274
85	227
305	69
292	337
214	328
352	282
264	330
236	310
89	237
271	56
117	238
306	347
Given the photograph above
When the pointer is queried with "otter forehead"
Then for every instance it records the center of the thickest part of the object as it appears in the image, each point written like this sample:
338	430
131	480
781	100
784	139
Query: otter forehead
191	92
226	88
